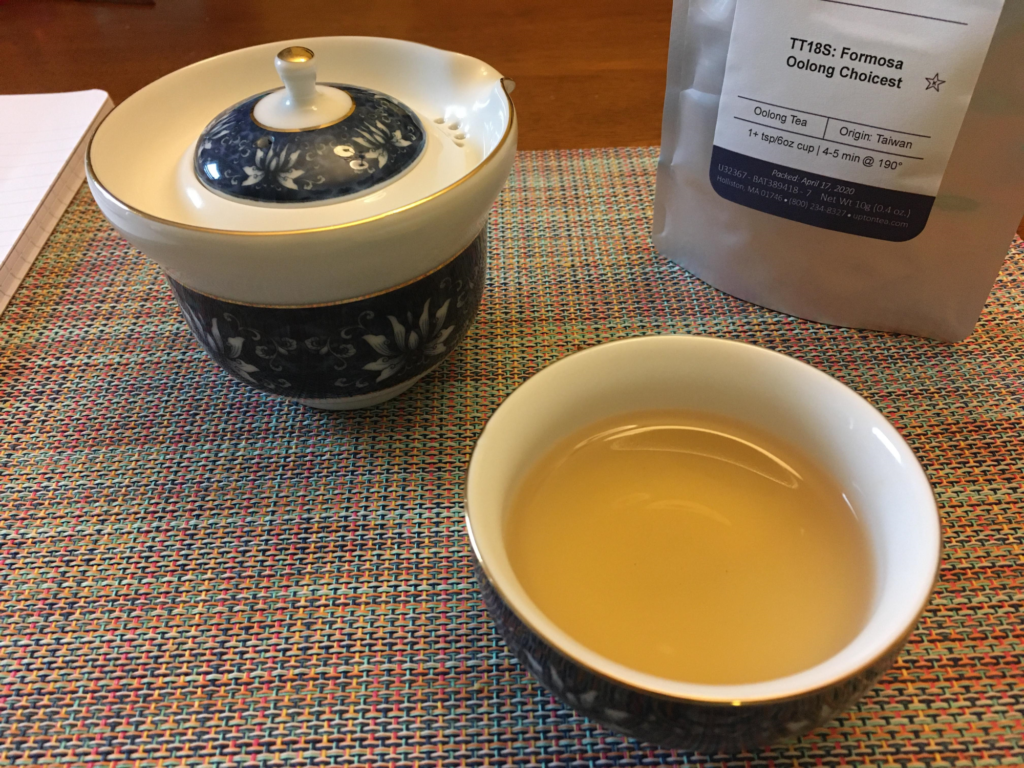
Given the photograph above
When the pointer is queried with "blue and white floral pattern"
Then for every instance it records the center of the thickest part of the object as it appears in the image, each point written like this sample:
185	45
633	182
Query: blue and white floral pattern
229	348
281	166
426	339
236	156
341	350
673	723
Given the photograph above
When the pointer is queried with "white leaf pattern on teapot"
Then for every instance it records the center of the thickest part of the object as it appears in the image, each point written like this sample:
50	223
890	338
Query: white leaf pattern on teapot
280	165
405	344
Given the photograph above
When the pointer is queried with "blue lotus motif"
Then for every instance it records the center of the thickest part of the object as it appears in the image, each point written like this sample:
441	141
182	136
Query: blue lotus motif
280	164
349	349
238	157
425	339
228	348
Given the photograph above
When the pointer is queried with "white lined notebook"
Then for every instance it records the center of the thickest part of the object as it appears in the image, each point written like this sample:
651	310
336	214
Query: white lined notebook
43	138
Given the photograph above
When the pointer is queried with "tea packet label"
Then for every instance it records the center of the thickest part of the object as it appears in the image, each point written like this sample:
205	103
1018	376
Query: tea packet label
843	115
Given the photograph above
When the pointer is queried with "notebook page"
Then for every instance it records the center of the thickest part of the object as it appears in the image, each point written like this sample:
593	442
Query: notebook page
41	135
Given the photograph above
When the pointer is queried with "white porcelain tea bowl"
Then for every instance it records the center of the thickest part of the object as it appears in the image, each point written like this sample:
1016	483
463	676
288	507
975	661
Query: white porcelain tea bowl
800	404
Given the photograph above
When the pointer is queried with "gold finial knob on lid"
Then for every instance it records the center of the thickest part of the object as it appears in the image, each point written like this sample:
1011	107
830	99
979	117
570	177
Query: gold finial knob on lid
296	54
302	104
298	73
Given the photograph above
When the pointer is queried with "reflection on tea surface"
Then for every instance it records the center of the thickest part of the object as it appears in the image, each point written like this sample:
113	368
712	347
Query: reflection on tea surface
691	548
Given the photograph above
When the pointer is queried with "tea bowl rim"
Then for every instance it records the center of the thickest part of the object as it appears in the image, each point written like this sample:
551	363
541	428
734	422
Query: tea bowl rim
762	693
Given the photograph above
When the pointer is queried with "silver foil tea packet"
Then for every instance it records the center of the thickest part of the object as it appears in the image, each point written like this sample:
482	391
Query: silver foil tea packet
854	163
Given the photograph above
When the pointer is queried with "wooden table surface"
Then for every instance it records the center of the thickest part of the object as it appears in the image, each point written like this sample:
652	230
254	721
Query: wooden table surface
590	73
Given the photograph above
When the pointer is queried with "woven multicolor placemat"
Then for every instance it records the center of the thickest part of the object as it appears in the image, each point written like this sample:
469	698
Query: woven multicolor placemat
193	573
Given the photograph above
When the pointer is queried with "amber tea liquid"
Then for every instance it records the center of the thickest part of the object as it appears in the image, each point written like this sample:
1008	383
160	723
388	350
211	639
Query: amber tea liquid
691	548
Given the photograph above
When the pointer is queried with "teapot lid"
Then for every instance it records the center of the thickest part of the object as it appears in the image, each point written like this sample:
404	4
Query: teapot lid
308	142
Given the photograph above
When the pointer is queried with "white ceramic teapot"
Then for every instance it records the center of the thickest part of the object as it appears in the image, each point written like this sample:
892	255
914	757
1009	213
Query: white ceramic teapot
325	240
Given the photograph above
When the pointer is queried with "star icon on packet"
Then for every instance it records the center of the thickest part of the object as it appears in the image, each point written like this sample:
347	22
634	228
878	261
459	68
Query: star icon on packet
934	83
